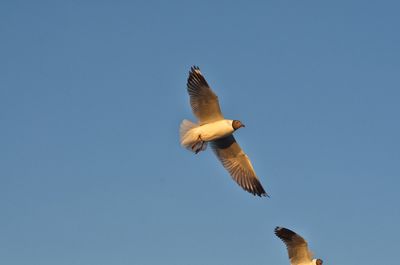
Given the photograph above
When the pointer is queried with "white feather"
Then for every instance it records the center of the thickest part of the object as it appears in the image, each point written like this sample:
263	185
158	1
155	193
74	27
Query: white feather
188	136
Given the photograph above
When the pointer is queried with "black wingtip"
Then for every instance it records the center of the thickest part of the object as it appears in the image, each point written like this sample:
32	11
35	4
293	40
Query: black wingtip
194	72
253	186
260	194
277	229
195	78
258	190
284	233
263	193
194	68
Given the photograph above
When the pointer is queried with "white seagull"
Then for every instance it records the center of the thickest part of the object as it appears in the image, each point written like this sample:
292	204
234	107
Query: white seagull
213	128
297	247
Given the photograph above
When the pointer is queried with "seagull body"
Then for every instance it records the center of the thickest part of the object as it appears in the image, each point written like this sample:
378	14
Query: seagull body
297	247
213	128
207	132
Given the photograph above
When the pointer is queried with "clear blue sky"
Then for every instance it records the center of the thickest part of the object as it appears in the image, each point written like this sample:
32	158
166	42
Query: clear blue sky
91	97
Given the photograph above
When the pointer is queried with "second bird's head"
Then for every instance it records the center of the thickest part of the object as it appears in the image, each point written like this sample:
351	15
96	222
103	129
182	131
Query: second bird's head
317	261
237	124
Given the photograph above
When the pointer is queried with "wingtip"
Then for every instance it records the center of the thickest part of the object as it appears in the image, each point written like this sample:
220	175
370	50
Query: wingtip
284	233
194	69
195	80
260	192
278	231
263	194
252	186
255	188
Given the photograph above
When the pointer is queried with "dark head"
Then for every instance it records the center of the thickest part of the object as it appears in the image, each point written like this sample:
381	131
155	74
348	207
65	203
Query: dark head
237	124
319	262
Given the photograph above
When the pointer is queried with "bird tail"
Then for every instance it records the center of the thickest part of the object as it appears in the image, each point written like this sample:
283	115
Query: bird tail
189	138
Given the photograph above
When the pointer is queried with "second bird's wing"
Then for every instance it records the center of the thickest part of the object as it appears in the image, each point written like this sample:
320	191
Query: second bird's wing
296	246
238	164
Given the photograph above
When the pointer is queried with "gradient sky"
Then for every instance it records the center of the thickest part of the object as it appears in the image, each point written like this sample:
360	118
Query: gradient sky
91	97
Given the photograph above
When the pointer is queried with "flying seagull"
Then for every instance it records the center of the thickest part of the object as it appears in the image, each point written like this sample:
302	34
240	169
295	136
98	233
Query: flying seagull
297	247
213	128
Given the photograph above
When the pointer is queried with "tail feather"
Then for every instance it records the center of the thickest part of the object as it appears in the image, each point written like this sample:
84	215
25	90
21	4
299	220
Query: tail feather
189	138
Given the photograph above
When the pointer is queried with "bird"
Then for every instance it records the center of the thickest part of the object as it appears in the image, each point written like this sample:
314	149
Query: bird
214	129
297	247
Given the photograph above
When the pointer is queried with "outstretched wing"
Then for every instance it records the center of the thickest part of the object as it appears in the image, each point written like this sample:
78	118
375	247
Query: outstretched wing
204	102
296	245
238	164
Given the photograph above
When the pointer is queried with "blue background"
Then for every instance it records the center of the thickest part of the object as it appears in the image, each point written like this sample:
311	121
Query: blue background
91	97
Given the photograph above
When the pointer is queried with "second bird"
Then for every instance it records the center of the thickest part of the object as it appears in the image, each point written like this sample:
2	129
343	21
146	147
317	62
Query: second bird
213	128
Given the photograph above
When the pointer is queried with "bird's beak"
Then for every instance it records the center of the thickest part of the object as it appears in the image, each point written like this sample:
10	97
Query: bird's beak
243	125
